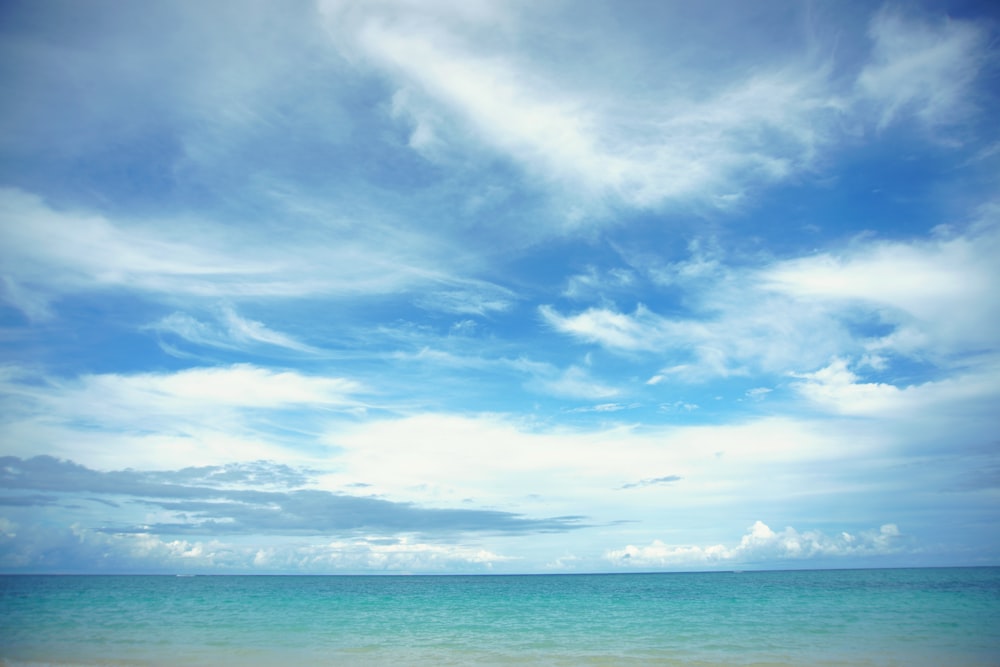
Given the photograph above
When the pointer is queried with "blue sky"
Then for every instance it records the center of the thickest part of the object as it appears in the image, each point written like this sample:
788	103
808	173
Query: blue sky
471	286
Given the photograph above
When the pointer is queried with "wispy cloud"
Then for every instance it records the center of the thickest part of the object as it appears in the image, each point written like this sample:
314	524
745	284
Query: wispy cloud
642	330
638	146
573	382
470	298
232	332
934	296
198	415
666	479
591	284
923	67
49	253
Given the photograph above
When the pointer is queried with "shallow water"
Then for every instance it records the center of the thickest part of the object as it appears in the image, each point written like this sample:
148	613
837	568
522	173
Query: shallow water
835	617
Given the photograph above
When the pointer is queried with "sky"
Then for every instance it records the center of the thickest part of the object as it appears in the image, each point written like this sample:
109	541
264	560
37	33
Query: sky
491	286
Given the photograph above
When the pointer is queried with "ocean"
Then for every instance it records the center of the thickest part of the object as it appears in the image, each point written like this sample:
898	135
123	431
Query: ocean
913	617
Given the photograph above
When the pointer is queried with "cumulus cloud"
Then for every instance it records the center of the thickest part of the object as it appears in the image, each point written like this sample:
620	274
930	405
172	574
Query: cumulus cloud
838	388
761	544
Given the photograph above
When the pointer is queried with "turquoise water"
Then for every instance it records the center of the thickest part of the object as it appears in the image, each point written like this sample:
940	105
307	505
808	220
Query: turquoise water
835	617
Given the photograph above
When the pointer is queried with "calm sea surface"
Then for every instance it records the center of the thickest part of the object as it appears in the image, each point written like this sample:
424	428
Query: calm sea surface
921	617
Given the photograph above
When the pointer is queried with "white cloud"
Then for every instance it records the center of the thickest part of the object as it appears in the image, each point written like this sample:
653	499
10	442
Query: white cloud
586	286
641	331
469	297
239	386
529	467
235	332
190	417
604	407
737	330
52	250
399	555
705	262
678	406
477	80
468	78
34	304
758	393
522	119
761	544
445	458
921	67
939	294
573	382
243	330
48	252
98	550
838	389
936	296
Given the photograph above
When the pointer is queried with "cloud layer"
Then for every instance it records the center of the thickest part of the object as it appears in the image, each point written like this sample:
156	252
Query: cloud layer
440	286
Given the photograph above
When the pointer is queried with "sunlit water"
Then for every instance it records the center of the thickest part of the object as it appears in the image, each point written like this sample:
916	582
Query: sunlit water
845	617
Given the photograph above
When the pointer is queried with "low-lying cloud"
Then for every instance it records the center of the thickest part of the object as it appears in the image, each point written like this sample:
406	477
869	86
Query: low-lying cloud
202	508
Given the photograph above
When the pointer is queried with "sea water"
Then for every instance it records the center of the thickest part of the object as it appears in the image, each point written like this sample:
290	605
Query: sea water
912	617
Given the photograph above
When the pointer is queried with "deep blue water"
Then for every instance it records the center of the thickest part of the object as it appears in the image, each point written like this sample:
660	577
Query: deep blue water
833	617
